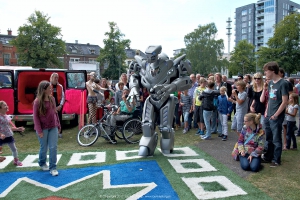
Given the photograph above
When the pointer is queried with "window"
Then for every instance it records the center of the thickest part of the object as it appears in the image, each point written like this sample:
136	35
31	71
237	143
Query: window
92	60
74	59
244	37
249	10
244	12
249	23
75	80
244	30
244	18
6	59
249	29
5	80
269	30
244	24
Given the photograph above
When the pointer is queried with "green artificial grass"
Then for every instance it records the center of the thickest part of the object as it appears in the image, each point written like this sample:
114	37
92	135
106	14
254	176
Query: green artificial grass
257	185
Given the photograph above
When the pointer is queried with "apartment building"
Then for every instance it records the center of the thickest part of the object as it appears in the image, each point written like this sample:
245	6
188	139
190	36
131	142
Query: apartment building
255	22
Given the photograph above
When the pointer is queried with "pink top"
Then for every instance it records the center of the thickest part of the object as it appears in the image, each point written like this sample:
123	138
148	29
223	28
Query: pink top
4	125
47	121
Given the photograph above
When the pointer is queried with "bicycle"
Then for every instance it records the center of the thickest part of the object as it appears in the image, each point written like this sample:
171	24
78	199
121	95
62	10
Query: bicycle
131	130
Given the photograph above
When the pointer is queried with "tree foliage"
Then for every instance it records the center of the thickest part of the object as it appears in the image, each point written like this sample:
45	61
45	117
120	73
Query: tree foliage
39	43
203	50
113	52
242	60
284	46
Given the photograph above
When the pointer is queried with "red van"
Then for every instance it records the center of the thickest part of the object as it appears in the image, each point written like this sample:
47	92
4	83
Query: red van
18	89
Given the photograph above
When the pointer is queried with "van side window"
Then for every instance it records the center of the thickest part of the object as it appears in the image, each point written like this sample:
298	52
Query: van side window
5	80
75	80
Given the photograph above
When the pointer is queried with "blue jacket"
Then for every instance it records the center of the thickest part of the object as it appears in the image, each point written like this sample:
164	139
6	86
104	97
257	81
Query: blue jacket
224	106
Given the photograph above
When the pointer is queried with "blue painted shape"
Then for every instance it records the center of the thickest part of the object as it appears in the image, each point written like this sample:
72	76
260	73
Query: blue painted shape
125	173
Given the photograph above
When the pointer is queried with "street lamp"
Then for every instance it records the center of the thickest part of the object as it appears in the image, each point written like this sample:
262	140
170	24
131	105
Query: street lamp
256	56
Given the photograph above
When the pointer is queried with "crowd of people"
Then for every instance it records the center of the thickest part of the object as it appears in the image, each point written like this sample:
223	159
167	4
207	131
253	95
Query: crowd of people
262	111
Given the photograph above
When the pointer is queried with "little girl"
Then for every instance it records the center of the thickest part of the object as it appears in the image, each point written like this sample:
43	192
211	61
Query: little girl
291	112
6	132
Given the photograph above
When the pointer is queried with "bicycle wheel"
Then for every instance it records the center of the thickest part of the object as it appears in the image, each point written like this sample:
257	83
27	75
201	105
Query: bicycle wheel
87	135
132	131
118	133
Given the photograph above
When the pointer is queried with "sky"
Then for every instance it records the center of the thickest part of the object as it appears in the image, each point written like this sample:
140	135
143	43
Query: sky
144	22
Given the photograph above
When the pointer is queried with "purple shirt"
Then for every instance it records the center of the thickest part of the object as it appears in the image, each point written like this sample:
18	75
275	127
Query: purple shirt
47	121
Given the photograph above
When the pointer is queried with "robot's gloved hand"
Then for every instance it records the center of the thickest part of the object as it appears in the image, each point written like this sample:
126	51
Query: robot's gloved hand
160	91
134	94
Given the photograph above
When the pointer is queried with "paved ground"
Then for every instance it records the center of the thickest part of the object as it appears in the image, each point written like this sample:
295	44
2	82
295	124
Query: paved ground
221	151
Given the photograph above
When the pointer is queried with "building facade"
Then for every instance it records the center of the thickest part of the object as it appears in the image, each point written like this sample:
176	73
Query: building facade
8	53
255	22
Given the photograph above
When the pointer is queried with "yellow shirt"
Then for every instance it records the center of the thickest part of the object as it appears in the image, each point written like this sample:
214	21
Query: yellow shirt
197	93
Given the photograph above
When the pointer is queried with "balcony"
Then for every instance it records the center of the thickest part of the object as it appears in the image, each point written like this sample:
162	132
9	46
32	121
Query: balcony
260	8
260	28
260	15
259	22
260	34
260	42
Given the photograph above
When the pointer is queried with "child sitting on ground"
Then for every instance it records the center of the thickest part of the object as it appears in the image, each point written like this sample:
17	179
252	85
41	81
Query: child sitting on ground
6	132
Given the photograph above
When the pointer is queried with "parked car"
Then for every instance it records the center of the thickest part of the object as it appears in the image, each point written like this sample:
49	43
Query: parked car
18	89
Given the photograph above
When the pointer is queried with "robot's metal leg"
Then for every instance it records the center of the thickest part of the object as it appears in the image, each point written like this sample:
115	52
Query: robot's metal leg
166	121
149	139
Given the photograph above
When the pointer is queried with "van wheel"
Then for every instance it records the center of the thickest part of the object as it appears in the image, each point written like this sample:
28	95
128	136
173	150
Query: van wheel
20	123
74	122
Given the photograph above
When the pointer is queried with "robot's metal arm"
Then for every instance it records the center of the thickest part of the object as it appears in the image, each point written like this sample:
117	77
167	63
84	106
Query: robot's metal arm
184	66
134	87
182	83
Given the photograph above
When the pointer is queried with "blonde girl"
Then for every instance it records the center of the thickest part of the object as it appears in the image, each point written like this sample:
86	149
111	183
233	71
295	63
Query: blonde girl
291	113
6	133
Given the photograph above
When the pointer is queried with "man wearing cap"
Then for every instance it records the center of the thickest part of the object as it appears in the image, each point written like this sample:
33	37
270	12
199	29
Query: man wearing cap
92	88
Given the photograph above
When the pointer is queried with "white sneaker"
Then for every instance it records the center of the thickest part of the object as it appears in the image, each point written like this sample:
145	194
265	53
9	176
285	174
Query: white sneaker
45	167
54	172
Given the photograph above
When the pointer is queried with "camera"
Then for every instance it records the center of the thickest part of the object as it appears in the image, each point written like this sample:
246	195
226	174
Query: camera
126	95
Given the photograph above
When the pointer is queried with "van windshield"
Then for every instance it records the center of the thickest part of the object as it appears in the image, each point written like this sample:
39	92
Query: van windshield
5	80
75	80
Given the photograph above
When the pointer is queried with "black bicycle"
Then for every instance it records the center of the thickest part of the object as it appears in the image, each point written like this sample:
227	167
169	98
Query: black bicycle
130	130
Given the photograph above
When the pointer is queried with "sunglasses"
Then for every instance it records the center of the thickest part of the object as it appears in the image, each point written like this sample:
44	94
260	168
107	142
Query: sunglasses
257	78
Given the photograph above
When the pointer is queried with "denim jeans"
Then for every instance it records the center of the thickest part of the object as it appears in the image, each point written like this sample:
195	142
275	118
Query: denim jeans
207	116
223	118
215	124
253	166
273	145
49	140
290	135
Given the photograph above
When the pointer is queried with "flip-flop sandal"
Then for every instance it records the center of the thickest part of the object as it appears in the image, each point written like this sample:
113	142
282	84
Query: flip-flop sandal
2	158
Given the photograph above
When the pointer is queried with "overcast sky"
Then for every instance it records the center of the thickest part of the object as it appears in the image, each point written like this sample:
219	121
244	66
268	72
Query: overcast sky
144	22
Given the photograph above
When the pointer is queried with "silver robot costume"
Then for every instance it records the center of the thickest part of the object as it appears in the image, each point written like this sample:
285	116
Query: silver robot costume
161	76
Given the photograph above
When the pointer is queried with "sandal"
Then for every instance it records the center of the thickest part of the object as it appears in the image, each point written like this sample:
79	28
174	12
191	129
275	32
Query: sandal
17	163
2	158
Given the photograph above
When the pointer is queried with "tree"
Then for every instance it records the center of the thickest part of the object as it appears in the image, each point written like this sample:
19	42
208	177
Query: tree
242	60
203	50
39	43
284	46
113	52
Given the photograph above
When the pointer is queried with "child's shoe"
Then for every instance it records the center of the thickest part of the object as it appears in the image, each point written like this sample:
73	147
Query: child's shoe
17	162
198	132
184	131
